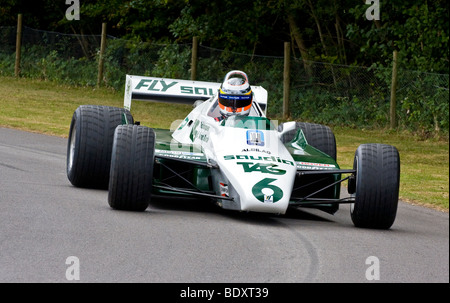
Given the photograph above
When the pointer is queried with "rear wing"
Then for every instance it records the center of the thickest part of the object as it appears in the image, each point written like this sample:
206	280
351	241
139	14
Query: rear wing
178	91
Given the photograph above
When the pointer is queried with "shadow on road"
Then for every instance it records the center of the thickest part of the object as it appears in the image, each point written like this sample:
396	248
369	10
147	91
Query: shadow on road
207	206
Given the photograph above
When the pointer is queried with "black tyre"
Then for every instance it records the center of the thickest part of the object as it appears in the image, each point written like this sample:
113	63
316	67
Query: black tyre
130	183
377	185
90	144
317	135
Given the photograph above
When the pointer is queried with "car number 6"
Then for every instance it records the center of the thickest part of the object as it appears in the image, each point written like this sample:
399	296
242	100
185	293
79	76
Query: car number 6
266	192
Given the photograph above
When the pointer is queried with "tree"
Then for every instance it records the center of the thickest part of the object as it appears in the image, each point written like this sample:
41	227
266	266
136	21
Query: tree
241	26
418	29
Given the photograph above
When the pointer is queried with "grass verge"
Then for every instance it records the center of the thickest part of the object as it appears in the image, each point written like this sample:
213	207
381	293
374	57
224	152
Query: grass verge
46	107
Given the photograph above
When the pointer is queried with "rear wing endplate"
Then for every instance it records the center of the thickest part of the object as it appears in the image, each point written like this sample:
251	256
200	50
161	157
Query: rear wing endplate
178	91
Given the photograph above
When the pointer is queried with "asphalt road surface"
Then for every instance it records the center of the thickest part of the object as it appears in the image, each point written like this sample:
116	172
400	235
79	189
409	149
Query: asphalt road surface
51	231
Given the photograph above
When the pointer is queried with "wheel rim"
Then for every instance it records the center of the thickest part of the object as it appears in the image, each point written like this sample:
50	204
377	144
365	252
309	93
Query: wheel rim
352	205
72	146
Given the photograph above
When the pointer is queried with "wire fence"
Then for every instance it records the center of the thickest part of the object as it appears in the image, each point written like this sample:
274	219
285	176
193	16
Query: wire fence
319	92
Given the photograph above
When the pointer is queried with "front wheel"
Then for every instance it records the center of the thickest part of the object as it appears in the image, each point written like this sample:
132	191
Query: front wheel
131	173
90	143
317	135
377	186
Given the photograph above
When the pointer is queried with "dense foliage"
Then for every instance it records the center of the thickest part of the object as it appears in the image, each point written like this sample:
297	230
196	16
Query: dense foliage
333	32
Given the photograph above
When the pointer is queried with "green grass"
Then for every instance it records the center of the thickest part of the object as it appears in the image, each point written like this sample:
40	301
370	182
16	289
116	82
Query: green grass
424	172
47	107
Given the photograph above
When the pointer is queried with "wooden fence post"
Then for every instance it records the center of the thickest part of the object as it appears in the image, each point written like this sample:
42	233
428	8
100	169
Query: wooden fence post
393	105
194	58
286	79
102	55
18	45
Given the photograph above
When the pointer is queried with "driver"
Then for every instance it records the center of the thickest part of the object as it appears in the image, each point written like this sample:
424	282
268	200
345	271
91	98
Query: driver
235	95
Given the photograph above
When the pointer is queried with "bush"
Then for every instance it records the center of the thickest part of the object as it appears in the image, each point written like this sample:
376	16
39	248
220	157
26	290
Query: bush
324	93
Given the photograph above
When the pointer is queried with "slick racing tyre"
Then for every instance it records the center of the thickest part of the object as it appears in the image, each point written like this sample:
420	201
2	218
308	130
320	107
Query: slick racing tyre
133	155
317	135
377	185
90	143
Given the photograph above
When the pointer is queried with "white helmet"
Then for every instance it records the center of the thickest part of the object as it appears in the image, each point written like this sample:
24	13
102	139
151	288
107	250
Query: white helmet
235	94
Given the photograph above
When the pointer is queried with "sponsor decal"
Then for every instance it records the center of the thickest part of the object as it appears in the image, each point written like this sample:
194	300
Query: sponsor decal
256	150
224	189
310	165
192	90
255	137
160	85
180	154
155	85
264	168
200	130
300	152
204	126
258	158
268	199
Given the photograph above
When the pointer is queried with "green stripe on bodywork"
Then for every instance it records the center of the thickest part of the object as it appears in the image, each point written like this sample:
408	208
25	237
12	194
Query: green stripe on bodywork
167	146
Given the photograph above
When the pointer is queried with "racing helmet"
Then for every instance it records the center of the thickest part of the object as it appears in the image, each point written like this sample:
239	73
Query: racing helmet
235	94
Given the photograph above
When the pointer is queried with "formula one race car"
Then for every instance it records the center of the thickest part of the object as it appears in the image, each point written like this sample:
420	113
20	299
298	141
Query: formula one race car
241	160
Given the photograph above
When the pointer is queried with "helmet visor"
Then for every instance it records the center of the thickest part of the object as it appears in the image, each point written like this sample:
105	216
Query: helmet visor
235	101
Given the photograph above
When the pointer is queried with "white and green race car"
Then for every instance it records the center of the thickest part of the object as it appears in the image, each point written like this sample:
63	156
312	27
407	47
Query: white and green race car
241	163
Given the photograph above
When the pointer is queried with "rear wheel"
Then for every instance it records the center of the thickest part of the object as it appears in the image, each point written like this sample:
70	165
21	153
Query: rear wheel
377	186
90	143
130	183
317	135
